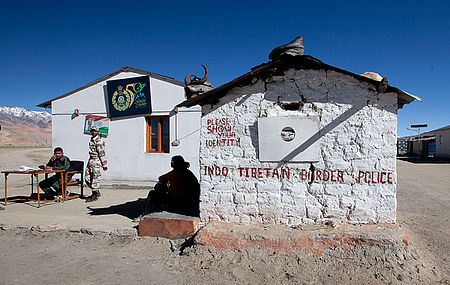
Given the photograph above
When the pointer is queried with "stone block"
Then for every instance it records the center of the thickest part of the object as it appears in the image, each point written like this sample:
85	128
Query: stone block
95	231
168	225
346	202
238	198
339	214
226	198
298	212
362	216
247	209
330	201
124	232
49	228
316	189
250	198
287	199
338	189
313	212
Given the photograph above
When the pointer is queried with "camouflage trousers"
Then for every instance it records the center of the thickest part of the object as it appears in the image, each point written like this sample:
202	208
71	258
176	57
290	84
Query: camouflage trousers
92	175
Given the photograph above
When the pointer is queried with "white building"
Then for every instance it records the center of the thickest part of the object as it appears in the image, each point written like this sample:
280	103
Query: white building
299	141
443	142
139	147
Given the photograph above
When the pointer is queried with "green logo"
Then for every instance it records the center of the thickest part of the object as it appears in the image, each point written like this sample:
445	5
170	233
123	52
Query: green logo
121	99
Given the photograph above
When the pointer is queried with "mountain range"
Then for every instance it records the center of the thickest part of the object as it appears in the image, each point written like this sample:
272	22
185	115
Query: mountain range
22	127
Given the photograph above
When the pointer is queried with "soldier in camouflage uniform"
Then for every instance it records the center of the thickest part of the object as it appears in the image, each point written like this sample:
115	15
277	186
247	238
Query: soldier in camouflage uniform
97	161
57	162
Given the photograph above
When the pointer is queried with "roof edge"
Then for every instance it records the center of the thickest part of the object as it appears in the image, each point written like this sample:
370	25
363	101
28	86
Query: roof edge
48	104
301	62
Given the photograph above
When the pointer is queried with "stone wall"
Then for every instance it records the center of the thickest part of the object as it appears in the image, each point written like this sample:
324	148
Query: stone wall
354	179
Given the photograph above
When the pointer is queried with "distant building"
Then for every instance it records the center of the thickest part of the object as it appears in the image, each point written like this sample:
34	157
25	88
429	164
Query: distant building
423	145
141	142
298	141
443	142
435	143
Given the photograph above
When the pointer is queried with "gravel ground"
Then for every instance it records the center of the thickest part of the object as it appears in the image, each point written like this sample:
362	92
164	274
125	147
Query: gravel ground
423	210
73	258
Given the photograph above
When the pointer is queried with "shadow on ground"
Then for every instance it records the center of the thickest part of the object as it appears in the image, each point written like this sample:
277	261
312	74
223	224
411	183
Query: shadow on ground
415	159
31	200
130	210
134	209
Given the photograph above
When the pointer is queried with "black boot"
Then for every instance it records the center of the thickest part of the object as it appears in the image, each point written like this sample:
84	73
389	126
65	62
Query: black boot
94	197
50	195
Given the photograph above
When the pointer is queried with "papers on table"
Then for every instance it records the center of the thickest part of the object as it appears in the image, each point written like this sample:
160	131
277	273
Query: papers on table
26	168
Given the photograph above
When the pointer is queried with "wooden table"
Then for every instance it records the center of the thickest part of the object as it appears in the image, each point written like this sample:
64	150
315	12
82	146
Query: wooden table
34	173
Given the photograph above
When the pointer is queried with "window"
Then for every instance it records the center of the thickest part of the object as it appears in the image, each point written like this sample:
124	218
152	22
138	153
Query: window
158	134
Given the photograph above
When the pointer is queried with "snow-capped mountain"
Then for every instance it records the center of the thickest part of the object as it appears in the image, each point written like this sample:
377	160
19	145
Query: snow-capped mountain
24	116
22	112
23	127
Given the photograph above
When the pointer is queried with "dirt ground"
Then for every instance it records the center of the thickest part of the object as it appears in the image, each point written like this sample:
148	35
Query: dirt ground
75	258
423	207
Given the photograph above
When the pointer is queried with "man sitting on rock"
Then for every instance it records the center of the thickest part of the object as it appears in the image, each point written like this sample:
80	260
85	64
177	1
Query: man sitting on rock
52	185
177	191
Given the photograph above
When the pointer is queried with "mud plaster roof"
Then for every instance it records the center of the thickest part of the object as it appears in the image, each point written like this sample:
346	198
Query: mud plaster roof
48	104
277	67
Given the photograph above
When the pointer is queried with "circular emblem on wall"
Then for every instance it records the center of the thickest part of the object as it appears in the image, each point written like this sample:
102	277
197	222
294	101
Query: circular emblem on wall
287	134
121	99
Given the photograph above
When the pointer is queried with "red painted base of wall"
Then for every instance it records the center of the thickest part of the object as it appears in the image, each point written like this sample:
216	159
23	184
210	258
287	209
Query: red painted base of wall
309	239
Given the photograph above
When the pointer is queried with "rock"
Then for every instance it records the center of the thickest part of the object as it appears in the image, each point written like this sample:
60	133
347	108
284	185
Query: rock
75	230
49	228
168	225
6	227
406	239
294	48
372	75
95	231
124	232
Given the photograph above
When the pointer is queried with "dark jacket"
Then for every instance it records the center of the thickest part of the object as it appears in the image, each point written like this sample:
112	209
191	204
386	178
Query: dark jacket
63	163
183	186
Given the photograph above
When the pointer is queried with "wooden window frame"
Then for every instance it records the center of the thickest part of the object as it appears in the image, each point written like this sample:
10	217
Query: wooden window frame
160	120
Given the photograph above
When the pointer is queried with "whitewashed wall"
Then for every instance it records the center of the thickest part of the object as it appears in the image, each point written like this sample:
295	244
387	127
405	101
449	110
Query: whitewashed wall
357	137
126	142
443	143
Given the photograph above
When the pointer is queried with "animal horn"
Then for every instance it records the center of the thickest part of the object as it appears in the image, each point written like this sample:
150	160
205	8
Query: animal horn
203	80
186	80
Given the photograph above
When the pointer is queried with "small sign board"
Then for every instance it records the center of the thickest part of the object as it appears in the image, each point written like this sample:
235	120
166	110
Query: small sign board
293	139
419	126
101	122
129	97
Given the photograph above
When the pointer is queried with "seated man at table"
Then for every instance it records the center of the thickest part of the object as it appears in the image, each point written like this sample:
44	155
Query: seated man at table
57	162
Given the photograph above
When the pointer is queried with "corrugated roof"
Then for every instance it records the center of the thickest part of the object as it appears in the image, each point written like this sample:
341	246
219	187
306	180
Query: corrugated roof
283	63
427	134
443	128
48	104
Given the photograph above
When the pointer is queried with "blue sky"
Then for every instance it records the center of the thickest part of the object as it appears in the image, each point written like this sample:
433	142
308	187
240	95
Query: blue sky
49	48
